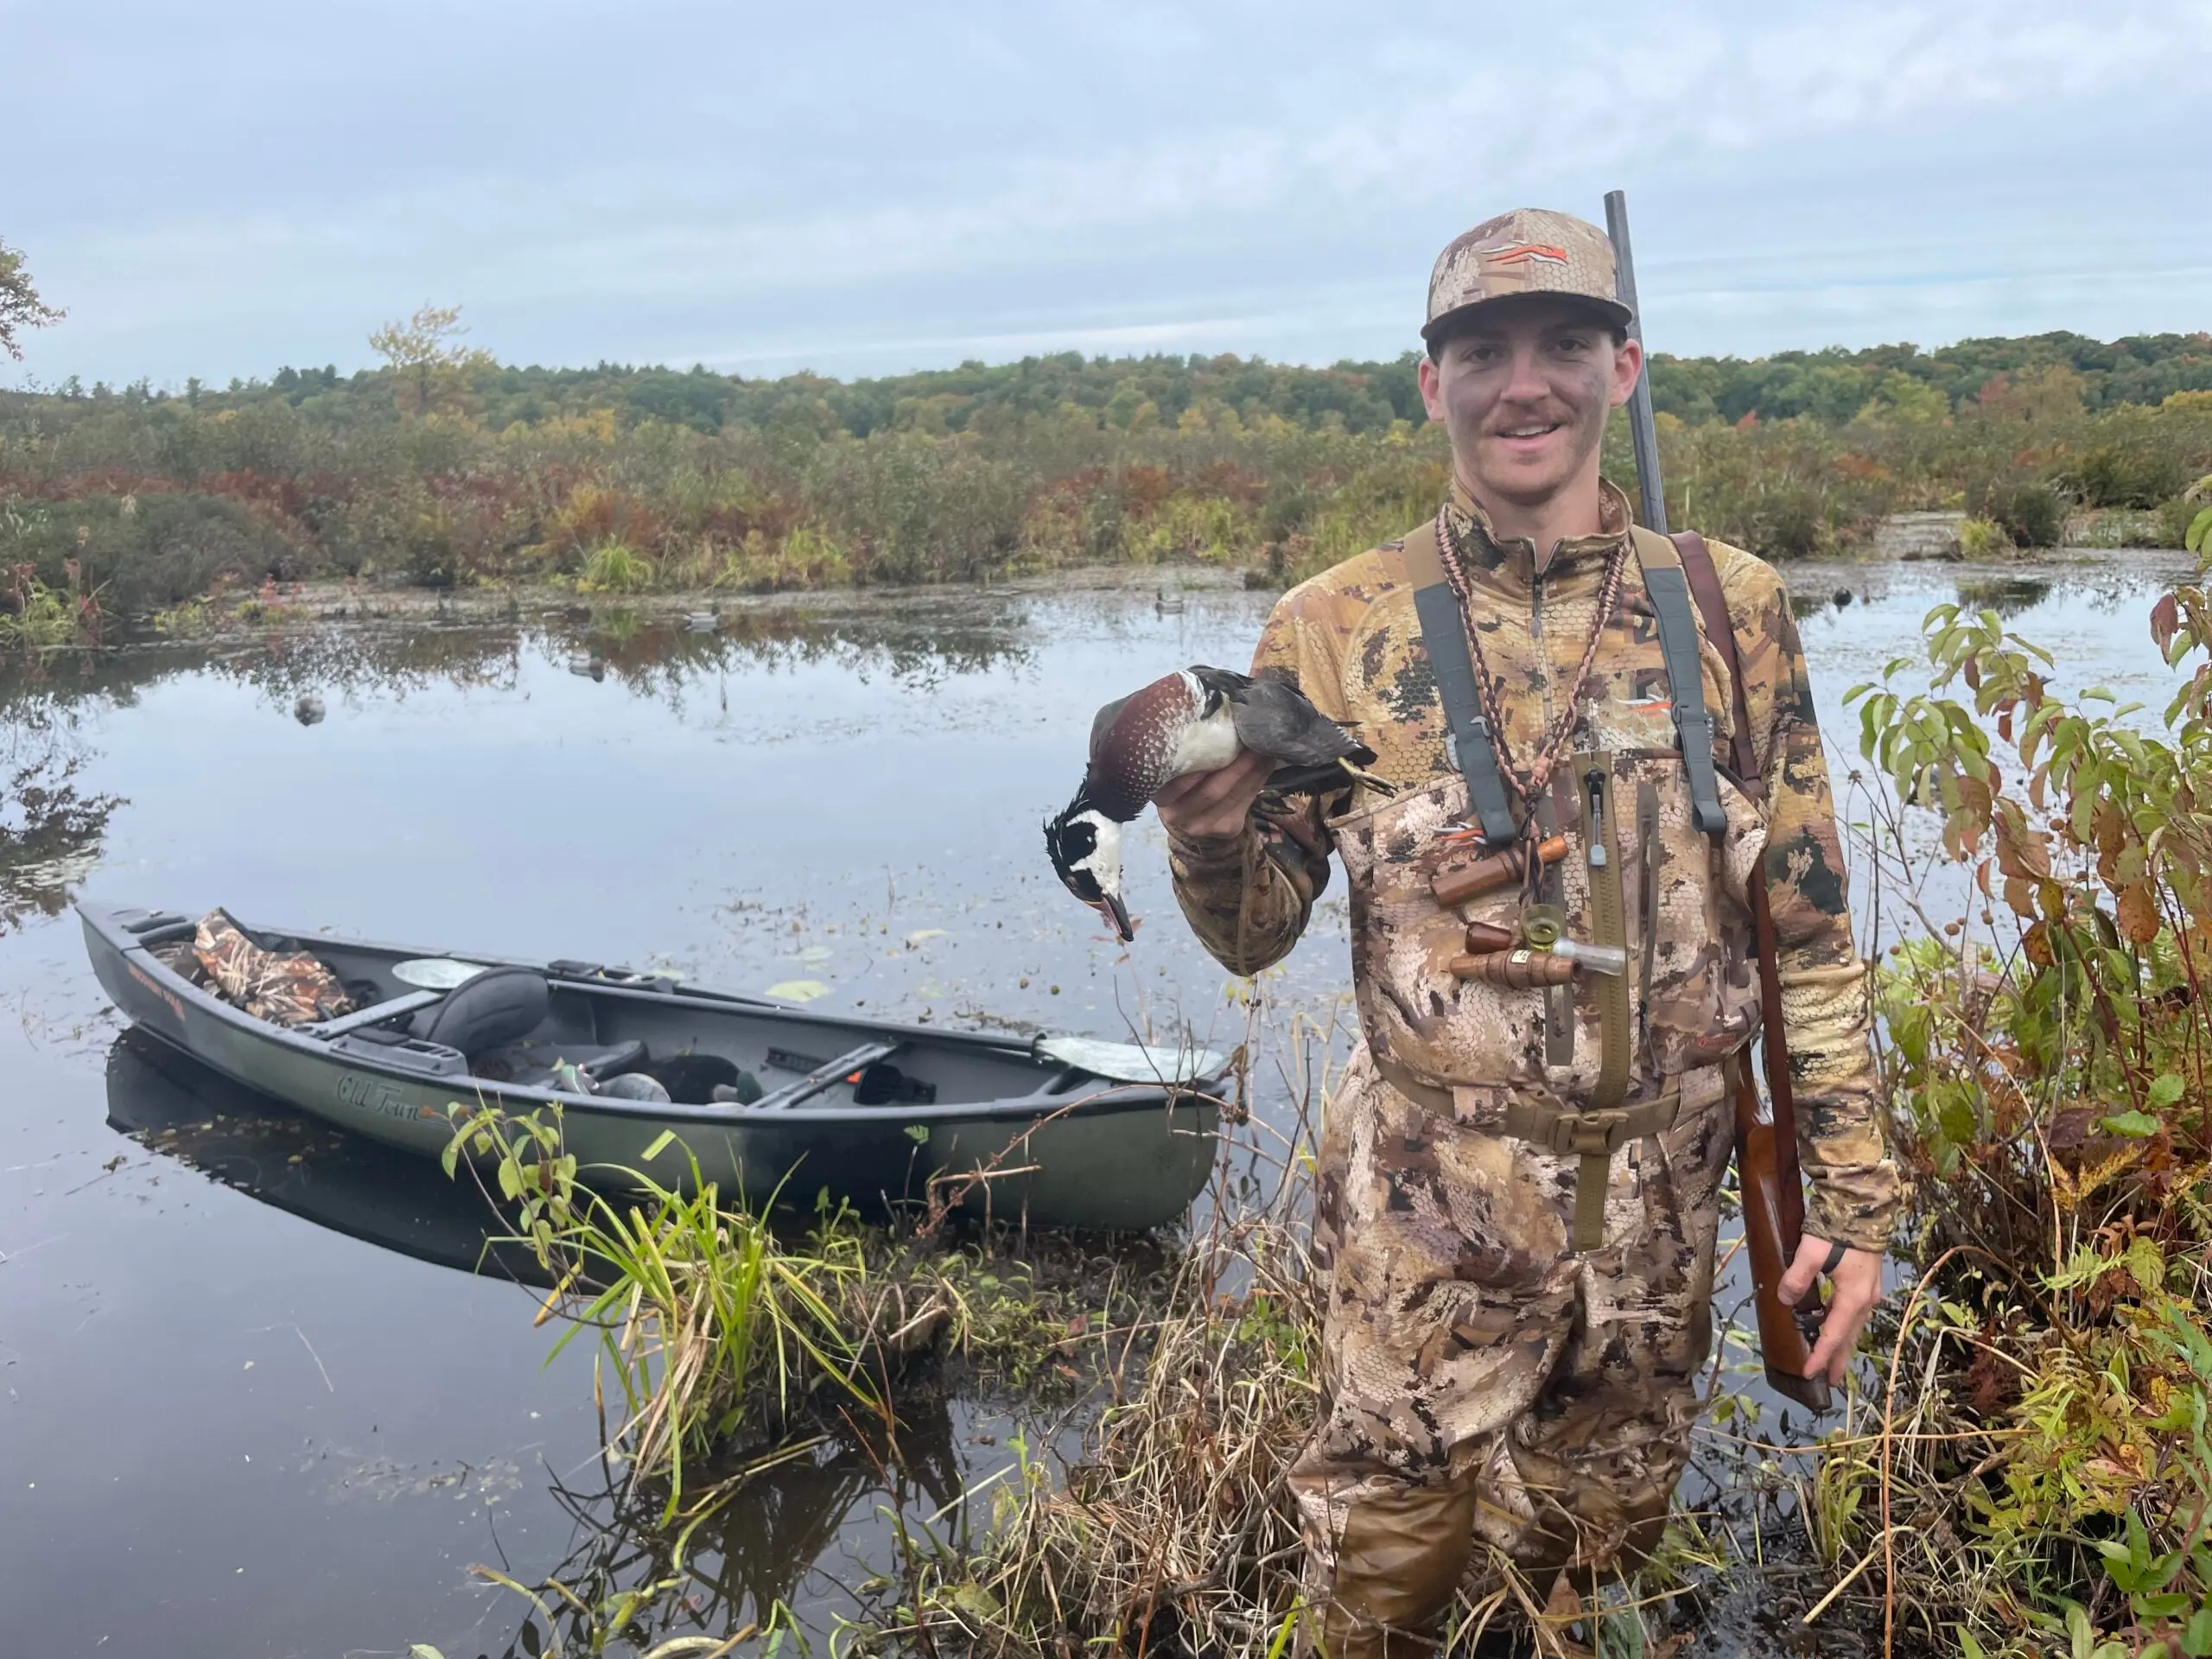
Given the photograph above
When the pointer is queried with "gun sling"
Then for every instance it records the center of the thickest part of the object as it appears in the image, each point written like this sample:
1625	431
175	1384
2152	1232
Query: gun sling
1704	582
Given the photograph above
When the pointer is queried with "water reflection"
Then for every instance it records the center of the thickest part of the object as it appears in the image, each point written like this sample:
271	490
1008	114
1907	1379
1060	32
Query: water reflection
51	826
771	1513
173	1105
756	1540
920	643
1815	596
2008	596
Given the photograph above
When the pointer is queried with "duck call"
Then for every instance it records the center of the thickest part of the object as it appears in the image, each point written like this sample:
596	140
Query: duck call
1516	970
1488	875
1487	938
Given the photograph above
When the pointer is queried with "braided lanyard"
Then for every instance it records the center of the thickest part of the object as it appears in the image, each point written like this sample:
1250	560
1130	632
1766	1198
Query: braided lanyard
1529	784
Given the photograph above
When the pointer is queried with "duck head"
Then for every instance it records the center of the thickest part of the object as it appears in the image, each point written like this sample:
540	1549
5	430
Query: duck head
1085	848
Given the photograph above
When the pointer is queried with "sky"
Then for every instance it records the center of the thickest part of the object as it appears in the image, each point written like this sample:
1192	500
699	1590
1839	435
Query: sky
220	188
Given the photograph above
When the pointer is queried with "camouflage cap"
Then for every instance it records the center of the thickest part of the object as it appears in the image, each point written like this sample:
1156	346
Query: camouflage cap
1529	251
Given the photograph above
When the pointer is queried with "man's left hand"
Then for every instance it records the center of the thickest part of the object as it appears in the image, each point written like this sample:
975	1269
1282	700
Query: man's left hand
1857	1280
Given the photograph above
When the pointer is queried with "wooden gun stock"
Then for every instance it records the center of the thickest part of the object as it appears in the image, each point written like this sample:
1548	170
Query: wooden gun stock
1782	1342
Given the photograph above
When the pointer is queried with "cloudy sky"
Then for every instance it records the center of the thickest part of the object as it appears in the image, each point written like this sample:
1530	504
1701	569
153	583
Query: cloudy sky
220	187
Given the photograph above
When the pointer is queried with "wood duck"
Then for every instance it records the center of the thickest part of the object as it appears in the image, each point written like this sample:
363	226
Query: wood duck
1198	719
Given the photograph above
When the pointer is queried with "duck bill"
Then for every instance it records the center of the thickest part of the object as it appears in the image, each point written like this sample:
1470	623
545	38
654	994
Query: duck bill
1117	916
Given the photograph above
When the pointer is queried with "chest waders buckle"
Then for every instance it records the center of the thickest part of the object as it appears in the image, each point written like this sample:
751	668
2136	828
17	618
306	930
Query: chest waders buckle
1593	1137
1589	1134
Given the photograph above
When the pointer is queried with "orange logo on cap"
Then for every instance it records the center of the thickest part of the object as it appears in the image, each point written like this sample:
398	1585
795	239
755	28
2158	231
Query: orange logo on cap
1520	253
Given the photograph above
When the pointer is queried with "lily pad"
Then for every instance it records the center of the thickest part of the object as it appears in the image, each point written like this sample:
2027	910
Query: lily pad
798	990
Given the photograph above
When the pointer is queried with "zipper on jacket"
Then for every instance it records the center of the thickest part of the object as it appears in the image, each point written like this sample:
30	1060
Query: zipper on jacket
1536	639
1647	838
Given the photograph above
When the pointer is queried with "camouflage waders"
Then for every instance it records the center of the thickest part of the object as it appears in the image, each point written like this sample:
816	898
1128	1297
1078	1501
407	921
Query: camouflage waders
284	989
1488	1383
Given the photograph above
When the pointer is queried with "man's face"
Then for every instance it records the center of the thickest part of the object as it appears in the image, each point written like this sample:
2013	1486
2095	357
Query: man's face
1524	387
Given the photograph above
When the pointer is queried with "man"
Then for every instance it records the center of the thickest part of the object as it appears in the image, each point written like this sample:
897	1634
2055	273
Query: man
1509	1371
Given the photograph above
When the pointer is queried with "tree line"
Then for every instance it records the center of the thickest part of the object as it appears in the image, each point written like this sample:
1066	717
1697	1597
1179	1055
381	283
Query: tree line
1835	385
444	466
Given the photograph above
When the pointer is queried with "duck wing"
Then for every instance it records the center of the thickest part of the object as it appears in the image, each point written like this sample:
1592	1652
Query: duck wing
1275	719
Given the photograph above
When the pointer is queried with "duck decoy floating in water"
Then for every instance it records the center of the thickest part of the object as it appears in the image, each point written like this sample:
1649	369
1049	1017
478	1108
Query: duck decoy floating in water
1166	603
308	710
587	662
1198	719
701	622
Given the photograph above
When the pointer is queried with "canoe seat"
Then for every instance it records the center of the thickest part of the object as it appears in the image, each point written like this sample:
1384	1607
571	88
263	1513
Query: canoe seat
490	1010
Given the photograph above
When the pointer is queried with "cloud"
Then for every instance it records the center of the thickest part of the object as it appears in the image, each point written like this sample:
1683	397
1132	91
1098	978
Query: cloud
1120	175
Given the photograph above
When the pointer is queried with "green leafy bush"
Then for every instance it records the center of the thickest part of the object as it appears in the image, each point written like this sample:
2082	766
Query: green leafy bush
2050	1083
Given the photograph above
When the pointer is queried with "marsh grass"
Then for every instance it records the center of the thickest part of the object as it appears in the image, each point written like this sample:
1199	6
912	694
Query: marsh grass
34	616
612	568
707	1321
718	1323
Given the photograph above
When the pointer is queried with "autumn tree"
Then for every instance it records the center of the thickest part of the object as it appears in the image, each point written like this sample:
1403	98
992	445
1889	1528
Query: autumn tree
2047	395
426	356
20	305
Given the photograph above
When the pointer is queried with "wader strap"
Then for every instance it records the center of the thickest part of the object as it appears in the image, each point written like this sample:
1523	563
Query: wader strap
1670	605
1444	634
1592	1136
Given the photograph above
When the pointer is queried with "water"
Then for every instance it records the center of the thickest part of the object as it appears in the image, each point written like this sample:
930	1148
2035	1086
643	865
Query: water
236	1427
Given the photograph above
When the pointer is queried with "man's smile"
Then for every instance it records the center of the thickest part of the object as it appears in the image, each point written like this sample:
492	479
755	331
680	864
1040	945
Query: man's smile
1526	437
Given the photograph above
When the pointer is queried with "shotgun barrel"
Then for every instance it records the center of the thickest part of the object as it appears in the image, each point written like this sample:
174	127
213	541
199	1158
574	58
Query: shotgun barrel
1766	1146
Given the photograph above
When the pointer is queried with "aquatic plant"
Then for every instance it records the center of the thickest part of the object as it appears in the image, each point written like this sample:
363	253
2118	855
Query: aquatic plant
34	616
2043	1470
705	1318
2198	536
717	1325
612	568
1978	539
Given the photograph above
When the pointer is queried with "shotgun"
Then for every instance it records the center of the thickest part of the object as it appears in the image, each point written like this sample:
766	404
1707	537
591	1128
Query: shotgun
1766	1146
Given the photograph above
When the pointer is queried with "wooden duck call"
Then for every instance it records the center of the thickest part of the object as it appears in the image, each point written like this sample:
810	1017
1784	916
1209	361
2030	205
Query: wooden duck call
1518	971
1489	874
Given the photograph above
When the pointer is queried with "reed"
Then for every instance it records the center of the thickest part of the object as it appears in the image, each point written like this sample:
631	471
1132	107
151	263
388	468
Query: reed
708	1322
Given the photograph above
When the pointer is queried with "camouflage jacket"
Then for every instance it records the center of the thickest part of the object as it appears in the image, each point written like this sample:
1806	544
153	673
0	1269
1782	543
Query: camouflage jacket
1350	640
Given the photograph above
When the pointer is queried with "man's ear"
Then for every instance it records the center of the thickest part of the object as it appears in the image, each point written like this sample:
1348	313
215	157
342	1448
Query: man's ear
1628	363
1432	387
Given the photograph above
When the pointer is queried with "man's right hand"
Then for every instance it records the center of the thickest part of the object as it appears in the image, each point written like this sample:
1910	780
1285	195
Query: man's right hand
1215	803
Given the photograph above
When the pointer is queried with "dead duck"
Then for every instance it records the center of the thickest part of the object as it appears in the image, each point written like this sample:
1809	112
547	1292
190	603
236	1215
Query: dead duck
308	710
1198	719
